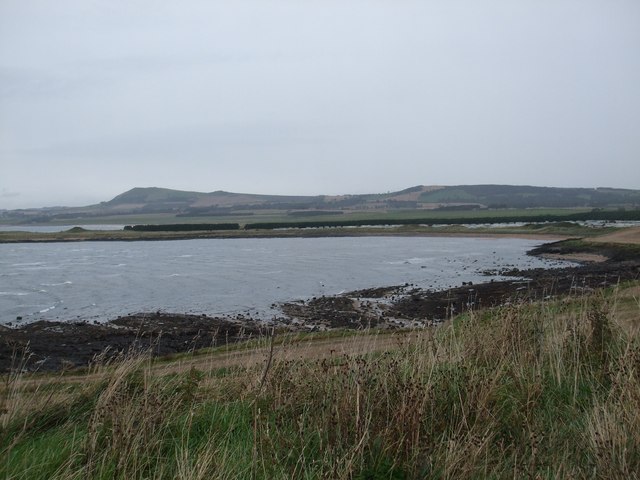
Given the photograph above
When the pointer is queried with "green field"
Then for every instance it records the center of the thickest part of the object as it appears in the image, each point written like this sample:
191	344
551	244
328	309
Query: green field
279	216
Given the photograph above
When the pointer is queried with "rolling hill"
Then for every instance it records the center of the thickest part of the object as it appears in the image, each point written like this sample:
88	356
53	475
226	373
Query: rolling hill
429	197
178	203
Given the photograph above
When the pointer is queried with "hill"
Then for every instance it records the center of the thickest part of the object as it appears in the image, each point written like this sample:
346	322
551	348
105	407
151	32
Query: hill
478	196
508	196
178	203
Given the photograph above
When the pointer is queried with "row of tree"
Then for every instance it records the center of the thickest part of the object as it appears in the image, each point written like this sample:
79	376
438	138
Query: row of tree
183	227
598	215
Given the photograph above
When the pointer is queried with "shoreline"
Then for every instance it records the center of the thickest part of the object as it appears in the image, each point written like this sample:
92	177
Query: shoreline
55	346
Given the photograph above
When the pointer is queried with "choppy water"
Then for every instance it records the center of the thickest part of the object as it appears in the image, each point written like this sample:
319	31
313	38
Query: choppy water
101	280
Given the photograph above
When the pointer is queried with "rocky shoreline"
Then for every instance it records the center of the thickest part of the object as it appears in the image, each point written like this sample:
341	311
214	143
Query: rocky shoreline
50	346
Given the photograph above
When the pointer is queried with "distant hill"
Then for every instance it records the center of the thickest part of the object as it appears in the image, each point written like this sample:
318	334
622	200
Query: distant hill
509	196
164	199
178	203
144	196
459	196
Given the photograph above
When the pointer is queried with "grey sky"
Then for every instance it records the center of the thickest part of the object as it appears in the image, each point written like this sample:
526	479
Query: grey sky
314	96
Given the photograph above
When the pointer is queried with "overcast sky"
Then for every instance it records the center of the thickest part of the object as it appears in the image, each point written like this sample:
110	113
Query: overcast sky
314	97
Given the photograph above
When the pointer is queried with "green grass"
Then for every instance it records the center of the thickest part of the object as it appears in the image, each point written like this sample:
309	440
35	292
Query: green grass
547	390
615	251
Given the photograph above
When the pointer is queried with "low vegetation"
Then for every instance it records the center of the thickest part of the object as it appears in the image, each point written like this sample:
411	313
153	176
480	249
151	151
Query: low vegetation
545	390
618	252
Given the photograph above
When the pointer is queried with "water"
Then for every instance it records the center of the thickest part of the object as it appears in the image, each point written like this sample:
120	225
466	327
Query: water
55	228
101	280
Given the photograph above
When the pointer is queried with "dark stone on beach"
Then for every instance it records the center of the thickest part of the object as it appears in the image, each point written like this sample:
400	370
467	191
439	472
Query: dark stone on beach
52	345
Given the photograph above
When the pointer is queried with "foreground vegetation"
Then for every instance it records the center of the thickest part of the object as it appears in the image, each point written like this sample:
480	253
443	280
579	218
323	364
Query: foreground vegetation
548	390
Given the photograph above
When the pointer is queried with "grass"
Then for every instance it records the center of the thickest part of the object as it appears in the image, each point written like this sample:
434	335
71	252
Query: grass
554	229
615	251
544	390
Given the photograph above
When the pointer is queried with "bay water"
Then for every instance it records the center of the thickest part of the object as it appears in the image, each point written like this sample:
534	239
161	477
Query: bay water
98	281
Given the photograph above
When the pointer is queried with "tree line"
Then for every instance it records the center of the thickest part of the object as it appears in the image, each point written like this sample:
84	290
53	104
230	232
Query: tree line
598	215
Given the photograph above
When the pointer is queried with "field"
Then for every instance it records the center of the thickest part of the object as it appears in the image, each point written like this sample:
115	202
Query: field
281	216
549	231
550	222
544	390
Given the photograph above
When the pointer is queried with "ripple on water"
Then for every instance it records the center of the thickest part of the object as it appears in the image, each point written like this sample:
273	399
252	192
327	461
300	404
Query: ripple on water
231	276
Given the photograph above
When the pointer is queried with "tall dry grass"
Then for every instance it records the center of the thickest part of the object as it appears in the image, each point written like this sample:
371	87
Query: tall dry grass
549	390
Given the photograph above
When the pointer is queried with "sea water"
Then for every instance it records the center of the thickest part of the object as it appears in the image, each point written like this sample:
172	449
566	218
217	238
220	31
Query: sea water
98	281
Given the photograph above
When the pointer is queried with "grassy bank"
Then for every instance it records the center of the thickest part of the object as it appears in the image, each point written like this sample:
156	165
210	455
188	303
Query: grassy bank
549	390
618	252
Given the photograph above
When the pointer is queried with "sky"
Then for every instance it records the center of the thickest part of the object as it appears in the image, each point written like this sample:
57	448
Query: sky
314	96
